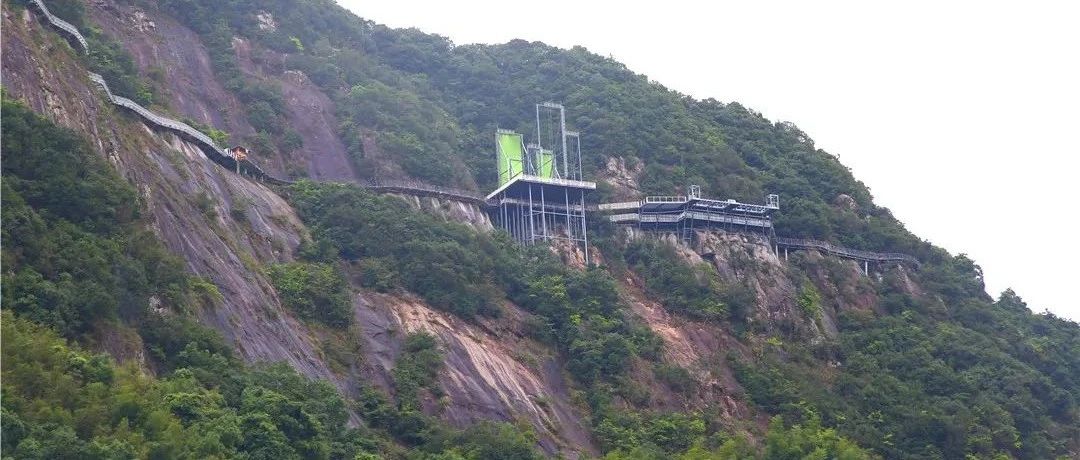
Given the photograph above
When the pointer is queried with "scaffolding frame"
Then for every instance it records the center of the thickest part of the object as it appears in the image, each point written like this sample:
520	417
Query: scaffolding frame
574	141
534	211
684	215
538	206
551	134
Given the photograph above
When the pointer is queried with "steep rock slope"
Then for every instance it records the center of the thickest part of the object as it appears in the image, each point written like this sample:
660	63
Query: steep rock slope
493	372
224	226
161	46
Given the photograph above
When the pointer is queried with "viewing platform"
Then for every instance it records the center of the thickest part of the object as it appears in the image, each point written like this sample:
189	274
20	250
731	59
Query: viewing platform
685	213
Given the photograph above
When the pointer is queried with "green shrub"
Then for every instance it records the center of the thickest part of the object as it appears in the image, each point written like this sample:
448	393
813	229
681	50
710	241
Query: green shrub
809	300
449	265
314	291
691	290
416	368
675	377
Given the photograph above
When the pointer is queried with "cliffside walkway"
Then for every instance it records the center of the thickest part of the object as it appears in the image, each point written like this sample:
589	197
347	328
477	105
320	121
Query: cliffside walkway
207	145
69	31
840	251
418	188
222	156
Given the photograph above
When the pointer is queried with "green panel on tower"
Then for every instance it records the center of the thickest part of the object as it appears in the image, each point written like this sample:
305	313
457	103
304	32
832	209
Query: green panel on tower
510	155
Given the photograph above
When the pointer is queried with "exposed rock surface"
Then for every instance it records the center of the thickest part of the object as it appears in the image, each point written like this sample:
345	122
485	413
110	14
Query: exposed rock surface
492	371
622	179
193	90
846	202
225	227
176	54
698	347
451	210
311	113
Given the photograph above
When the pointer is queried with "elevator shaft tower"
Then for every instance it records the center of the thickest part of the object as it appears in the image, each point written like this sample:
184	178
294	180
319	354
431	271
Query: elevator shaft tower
541	194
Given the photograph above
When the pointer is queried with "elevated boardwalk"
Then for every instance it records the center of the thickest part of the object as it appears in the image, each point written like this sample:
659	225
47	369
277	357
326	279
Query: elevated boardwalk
418	188
722	219
205	143
685	214
840	251
222	156
209	148
66	29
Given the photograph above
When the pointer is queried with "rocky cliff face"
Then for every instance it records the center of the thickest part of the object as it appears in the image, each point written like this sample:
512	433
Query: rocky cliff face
493	372
451	210
163	47
225	227
228	229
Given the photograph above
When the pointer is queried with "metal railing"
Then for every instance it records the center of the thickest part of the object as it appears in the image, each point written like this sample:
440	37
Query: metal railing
621	206
222	156
413	187
797	243
665	199
71	31
697	216
205	143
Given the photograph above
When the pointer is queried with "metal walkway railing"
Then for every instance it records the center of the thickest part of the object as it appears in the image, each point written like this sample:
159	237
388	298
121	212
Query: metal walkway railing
206	144
423	189
692	215
829	248
71	32
222	156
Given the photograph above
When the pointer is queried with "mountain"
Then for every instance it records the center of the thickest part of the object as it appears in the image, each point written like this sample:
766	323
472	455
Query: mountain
157	303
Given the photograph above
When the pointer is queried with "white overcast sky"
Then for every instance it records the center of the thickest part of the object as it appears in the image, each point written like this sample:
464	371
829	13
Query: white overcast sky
961	116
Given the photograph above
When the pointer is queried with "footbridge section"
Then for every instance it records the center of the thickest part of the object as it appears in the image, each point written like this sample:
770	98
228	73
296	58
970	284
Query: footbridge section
66	29
223	156
417	188
684	215
786	244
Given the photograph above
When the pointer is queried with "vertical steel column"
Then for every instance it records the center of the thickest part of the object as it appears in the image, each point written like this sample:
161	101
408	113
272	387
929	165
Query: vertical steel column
521	223
517	223
562	133
580	171
584	231
532	227
539	134
569	229
543	213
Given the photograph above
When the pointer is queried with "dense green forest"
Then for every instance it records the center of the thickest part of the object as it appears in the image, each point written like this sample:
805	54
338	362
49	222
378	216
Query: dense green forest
949	374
